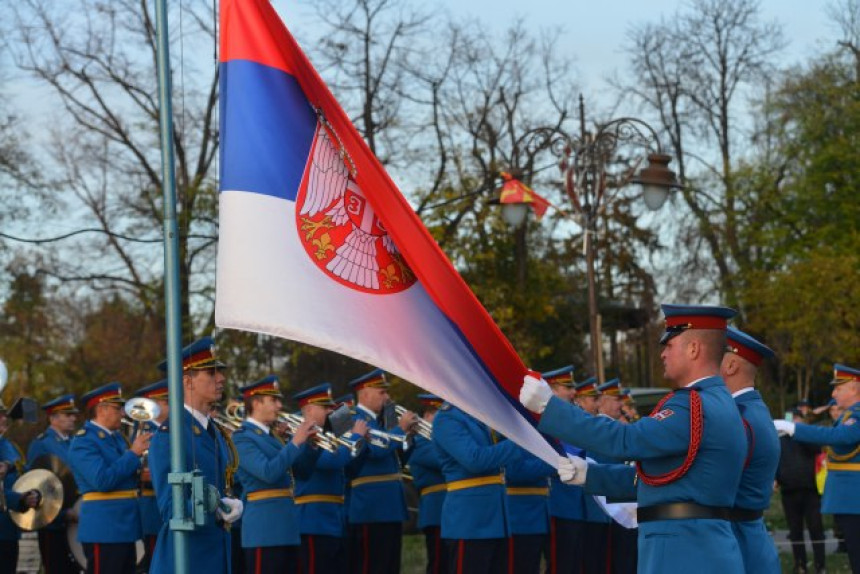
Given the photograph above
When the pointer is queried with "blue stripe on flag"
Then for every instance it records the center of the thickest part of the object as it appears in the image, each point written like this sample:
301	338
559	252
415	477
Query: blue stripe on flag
267	127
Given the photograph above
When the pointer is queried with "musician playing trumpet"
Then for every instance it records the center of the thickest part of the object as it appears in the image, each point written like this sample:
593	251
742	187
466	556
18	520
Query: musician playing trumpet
377	505
270	532
106	471
320	488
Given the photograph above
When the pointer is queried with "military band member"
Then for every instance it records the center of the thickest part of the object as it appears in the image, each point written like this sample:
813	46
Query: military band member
106	471
426	469
270	527
12	462
377	504
597	522
843	457
628	406
475	521
621	544
566	502
690	451
319	490
206	450
150	518
527	487
53	544
738	369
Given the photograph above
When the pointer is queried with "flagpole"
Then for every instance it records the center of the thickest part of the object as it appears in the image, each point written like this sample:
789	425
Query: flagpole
180	524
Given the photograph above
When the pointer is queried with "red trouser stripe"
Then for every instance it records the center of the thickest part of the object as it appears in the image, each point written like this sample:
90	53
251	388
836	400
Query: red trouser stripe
258	567
97	566
511	555
553	557
461	550
311	555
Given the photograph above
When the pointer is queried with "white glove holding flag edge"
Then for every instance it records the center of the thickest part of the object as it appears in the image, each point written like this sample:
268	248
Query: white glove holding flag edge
784	427
572	470
535	392
230	509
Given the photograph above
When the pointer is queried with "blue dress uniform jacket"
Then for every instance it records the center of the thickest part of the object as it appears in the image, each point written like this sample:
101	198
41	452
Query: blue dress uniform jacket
205	450
527	485
319	492
102	463
426	468
468	451
51	443
660	442
270	517
9	453
376	493
150	518
566	501
757	548
843	460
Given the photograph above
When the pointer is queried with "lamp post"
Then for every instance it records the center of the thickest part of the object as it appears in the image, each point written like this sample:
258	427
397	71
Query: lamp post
583	161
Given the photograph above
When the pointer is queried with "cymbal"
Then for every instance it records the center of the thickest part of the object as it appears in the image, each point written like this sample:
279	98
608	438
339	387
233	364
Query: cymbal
56	465
51	489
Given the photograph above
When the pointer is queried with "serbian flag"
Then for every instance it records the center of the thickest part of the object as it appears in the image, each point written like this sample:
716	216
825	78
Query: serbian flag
515	191
316	243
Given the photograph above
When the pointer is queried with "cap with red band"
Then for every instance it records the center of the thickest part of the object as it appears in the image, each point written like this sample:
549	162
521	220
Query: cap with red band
680	318
745	346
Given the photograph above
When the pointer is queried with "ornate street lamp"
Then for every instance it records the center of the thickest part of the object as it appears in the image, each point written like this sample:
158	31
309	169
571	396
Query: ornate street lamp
583	162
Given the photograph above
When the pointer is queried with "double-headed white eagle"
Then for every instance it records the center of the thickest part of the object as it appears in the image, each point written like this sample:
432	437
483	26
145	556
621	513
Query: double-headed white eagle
331	190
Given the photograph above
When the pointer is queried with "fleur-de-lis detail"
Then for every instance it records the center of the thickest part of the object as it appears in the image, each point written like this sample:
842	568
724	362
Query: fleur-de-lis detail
389	276
323	245
311	227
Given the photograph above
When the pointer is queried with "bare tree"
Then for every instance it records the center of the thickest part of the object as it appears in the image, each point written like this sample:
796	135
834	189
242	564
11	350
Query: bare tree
97	60
692	72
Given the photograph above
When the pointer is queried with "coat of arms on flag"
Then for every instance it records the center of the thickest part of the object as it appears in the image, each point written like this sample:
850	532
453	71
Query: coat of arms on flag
338	227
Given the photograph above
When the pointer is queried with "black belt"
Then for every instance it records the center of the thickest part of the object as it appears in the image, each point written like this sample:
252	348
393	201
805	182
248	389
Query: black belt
681	511
744	514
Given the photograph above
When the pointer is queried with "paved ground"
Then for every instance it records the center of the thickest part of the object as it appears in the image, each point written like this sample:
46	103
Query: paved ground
780	538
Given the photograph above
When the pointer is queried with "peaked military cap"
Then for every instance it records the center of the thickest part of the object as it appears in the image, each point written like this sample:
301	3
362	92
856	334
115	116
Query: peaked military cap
265	386
844	374
109	393
562	376
373	379
154	391
680	318
318	395
63	404
587	388
747	347
611	388
197	356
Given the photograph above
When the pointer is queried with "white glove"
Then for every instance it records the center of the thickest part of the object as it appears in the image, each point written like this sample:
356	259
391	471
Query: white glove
235	510
784	427
572	470
535	393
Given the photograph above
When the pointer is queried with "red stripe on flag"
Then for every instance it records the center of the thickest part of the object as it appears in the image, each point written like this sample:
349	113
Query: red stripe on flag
273	45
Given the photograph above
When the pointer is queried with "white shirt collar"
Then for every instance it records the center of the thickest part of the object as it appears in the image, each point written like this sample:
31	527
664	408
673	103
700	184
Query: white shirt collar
255	422
201	418
100	426
742	391
372	414
697	380
59	434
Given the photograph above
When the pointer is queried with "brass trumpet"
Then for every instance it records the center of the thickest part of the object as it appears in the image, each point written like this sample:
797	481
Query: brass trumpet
323	439
421	426
384	439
